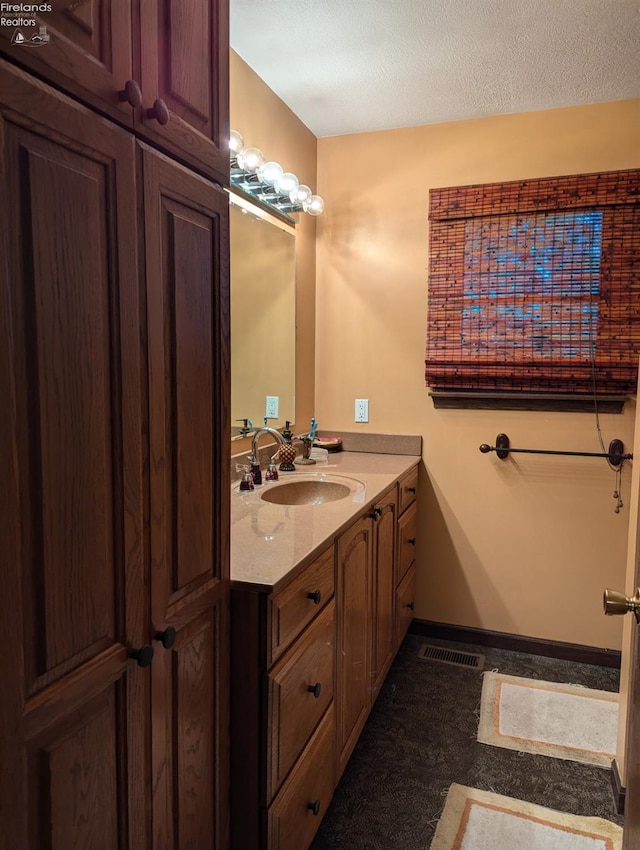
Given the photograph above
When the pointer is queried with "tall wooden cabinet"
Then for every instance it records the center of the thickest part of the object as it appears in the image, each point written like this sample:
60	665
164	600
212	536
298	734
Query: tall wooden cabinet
159	67
114	615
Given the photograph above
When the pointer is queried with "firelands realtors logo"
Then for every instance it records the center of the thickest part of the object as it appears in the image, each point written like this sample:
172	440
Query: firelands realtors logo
27	31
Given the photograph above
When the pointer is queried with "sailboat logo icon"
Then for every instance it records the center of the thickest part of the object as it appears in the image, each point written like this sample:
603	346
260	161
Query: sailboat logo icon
41	37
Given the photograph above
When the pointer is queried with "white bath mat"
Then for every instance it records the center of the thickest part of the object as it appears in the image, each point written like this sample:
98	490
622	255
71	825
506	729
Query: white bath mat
563	721
481	820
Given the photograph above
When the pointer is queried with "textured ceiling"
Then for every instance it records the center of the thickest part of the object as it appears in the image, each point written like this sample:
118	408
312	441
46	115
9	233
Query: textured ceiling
349	66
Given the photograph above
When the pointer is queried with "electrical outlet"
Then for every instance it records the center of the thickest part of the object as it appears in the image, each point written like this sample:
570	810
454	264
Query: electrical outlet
271	407
362	410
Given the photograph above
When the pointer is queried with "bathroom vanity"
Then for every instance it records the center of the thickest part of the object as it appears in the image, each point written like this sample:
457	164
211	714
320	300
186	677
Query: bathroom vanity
322	597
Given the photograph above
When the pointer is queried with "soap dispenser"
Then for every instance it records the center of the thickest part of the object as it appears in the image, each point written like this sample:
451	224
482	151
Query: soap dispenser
246	482
287	452
272	470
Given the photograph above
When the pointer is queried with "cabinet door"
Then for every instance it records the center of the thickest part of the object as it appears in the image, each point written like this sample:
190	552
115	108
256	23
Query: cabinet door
73	707
354	635
185	64
405	597
383	627
186	233
88	52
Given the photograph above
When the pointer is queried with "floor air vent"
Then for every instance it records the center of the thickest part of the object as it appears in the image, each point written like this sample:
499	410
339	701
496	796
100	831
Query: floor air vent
451	656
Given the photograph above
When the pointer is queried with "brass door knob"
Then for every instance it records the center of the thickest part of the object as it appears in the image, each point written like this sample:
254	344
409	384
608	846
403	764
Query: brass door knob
616	602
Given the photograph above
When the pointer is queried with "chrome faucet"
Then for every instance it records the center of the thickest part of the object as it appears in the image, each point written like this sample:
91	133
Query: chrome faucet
255	460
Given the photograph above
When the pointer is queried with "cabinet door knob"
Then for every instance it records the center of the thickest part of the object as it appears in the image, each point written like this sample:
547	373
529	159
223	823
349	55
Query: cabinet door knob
159	111
315	689
412	541
316	596
167	638
131	93
314	807
412	490
410	606
142	656
375	513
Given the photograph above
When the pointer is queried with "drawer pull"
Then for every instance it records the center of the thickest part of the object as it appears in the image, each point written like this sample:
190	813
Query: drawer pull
412	490
131	93
142	656
159	111
316	596
314	807
315	689
412	541
167	638
410	606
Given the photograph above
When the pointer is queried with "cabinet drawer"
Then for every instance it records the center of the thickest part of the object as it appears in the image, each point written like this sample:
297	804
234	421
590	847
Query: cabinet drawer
300	687
407	530
405	595
295	815
291	609
408	488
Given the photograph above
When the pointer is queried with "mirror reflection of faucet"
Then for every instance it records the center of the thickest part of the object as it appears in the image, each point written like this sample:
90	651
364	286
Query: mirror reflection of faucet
307	441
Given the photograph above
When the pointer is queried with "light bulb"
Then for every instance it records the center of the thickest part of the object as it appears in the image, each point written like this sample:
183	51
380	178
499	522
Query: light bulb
313	205
236	143
286	184
300	194
250	159
270	172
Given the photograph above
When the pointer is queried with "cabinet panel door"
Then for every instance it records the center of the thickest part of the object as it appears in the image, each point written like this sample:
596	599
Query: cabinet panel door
405	597
185	63
383	626
296	813
407	539
353	592
299	689
186	233
73	704
88	51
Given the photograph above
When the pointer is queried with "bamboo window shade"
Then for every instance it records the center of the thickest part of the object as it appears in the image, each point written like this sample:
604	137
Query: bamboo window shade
534	285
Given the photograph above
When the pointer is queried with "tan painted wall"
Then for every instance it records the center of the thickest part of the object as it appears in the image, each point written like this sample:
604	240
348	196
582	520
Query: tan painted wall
267	123
523	546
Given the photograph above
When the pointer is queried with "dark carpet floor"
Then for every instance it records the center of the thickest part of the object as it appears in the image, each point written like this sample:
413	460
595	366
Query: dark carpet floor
421	737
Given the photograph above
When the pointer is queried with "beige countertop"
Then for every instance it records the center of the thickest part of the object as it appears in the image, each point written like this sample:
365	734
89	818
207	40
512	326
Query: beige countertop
270	542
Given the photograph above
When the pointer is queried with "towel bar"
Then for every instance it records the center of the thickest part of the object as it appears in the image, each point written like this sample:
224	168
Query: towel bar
616	455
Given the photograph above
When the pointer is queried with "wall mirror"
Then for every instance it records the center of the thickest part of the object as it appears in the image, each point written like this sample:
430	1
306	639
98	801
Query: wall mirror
263	326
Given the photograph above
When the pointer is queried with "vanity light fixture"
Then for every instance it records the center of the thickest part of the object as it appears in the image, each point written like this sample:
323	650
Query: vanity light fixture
268	181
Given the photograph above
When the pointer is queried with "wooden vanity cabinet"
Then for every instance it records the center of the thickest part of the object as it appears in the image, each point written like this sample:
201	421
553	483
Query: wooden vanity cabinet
159	67
407	539
354	599
383	627
282	709
291	739
366	580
